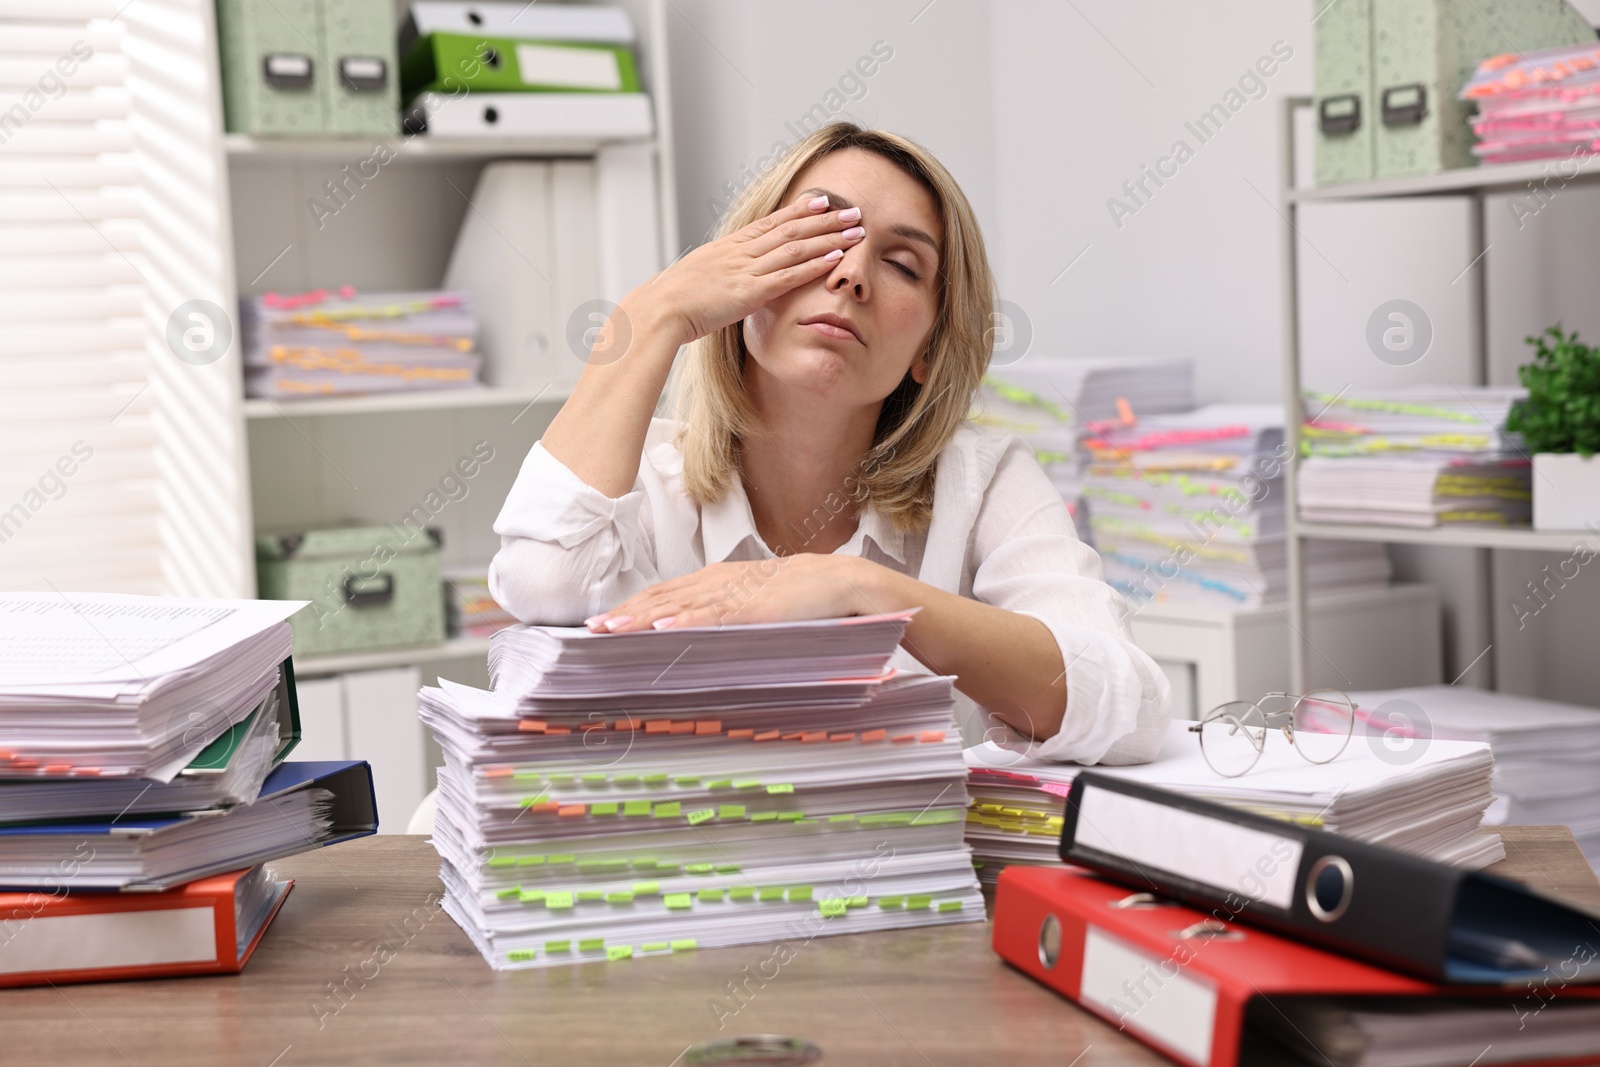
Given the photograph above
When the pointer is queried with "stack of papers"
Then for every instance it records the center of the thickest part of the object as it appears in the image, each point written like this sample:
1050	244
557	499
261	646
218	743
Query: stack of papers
1431	806
620	795
1422	456
1054	404
326	343
470	609
1191	507
1537	105
1545	753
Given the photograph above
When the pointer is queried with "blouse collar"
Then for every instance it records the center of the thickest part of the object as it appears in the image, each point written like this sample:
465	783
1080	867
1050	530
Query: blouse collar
728	523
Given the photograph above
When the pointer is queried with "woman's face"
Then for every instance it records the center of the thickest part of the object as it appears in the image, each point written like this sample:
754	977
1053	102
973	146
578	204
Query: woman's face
851	335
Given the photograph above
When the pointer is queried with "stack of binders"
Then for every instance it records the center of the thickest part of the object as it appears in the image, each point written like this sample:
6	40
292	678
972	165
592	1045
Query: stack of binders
639	794
142	745
514	69
1538	105
340	343
1221	937
1431	805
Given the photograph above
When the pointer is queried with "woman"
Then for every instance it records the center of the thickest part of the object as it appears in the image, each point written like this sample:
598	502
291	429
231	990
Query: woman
822	464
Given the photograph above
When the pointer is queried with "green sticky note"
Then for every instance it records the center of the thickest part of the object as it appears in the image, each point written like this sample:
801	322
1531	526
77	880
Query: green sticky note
770	892
746	783
530	861
520	955
790	816
558	946
646	889
561	779
655	946
949	905
742	892
720	783
782	787
830	908
590	866
530	896
619	952
710	896
666	865
619	896
591	896
918	903
727	868
683	944
530	801
668	809
591	944
656	778
625	779
502	861
730	811
508	894
644	864
855	902
565	857
799	892
698	817
678	901
525	776
764	816
558	900
593	779
697	868
891	902
687	779
636	807
842	818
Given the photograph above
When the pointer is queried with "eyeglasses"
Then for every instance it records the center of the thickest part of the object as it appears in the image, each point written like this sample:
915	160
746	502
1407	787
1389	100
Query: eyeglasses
1233	735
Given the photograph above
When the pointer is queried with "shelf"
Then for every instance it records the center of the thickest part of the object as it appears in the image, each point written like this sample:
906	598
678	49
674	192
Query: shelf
340	663
240	146
422	400
1497	177
1451	536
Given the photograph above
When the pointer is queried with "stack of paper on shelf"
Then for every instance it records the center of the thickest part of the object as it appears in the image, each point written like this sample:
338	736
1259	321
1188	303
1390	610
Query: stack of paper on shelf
1191	507
1431	806
470	610
620	795
1545	753
514	69
1054	404
1421	456
1537	105
339	343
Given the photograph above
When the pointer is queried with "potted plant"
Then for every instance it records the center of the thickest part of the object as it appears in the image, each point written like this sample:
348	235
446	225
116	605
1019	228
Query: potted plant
1560	424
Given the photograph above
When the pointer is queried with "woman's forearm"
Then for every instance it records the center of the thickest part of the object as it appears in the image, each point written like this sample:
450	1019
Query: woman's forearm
1007	662
599	432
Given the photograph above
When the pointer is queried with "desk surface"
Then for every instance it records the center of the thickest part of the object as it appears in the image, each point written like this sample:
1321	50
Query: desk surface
925	998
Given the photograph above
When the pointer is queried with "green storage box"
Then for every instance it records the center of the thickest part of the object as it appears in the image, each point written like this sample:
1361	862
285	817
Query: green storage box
1342	77
361	95
369	586
271	72
447	62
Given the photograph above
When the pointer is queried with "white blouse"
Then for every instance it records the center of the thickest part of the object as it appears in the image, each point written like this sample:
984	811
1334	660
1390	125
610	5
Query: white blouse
1000	533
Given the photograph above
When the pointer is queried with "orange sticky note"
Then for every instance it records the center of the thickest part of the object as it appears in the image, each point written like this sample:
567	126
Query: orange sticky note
903	737
766	735
933	735
57	768
708	726
740	735
875	735
814	735
533	726
842	737
657	726
797	735
558	729
684	727
545	805
626	724
570	809
497	772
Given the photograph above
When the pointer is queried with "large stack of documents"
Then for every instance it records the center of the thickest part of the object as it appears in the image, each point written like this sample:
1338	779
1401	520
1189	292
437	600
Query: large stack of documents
338	343
1055	404
1431	806
142	742
624	795
516	69
1421	456
1191	507
1545	753
1537	105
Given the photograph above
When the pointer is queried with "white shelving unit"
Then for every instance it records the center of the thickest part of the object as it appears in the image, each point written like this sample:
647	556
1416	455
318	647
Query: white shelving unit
1478	182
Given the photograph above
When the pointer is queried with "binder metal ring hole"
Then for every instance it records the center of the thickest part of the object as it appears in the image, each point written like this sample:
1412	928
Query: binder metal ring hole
1329	885
474	18
1050	942
491	116
1137	900
490	57
1209	930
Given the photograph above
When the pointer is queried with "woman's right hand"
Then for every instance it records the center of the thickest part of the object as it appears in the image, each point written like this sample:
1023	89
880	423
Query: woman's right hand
725	280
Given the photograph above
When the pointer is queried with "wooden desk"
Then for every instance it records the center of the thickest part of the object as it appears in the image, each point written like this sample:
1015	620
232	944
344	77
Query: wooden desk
919	998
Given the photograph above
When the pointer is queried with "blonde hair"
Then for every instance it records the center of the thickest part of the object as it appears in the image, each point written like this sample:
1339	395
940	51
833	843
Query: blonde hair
896	476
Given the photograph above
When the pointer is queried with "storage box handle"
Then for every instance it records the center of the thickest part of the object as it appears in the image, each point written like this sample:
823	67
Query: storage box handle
1339	114
1405	105
287	70
369	598
363	74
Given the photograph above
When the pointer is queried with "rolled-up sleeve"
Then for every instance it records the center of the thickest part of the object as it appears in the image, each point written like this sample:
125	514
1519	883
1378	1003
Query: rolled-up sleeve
1030	560
568	551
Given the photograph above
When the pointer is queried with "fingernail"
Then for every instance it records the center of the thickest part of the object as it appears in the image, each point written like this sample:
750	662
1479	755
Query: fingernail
592	619
620	620
834	256
817	203
850	214
662	624
852	233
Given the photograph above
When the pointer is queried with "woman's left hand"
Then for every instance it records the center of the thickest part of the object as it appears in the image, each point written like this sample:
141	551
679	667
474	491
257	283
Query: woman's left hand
781	589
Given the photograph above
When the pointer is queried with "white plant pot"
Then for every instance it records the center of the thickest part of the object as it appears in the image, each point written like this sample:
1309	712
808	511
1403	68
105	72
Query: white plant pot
1566	491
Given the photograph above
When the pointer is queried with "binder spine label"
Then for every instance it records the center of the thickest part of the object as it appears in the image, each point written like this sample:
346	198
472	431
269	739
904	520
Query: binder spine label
1150	996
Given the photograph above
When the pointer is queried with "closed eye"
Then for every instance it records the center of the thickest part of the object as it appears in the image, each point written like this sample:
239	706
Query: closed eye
907	271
